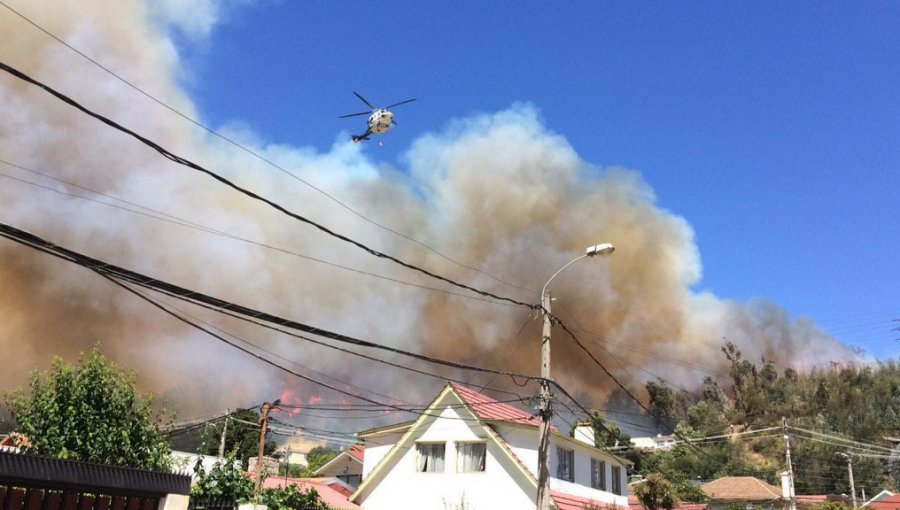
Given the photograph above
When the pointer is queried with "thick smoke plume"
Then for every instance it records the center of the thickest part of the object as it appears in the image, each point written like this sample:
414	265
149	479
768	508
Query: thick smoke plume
497	191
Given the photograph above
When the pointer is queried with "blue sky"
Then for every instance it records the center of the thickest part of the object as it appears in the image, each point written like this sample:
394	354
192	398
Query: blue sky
772	128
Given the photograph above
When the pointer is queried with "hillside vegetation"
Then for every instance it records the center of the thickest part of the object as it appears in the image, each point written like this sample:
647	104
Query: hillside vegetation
832	412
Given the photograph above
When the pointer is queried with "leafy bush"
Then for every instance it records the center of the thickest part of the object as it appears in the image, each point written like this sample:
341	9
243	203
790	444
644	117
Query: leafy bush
291	498
224	480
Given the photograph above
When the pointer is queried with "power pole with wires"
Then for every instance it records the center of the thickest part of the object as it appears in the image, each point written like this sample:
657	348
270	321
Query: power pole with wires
224	433
790	468
264	425
543	488
849	458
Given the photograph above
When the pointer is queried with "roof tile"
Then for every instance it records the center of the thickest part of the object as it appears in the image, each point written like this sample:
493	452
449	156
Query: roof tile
489	409
740	488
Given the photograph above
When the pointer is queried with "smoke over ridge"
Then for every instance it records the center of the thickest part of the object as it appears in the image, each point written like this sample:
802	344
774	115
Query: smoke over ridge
499	191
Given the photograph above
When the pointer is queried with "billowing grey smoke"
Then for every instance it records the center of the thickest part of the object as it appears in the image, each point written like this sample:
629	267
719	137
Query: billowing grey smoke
497	191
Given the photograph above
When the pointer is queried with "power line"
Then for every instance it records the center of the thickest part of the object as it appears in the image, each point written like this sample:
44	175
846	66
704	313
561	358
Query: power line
176	220
256	154
843	439
194	166
188	295
626	390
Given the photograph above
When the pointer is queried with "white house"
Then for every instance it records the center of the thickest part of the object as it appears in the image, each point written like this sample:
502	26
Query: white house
347	466
470	451
658	442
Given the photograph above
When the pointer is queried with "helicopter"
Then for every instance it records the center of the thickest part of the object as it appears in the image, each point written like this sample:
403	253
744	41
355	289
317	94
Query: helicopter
380	119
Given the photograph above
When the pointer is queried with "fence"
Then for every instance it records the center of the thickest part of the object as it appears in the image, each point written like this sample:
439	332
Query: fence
29	482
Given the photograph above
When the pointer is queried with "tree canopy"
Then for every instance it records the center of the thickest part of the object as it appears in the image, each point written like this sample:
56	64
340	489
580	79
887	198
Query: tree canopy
242	437
860	403
90	411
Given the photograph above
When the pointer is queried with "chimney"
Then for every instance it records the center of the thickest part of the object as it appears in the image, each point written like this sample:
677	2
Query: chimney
584	432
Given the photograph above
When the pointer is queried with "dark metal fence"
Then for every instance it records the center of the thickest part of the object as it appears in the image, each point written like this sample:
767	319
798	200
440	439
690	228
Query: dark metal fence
213	504
29	482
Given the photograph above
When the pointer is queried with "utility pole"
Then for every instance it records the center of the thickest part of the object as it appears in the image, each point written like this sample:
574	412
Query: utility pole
543	489
224	433
287	465
849	458
790	468
546	411
264	425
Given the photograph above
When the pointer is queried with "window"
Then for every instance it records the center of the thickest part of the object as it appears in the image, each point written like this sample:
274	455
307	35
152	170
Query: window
617	480
598	474
470	457
351	480
430	457
565	464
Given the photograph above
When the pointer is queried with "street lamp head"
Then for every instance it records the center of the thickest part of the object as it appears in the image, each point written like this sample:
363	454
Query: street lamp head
600	249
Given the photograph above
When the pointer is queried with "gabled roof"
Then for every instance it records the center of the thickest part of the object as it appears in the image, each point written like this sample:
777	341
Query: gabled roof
489	409
354	453
878	497
486	411
888	503
357	451
430	414
740	488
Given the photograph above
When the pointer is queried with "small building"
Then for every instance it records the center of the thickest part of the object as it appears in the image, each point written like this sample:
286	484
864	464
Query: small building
469	450
657	442
347	466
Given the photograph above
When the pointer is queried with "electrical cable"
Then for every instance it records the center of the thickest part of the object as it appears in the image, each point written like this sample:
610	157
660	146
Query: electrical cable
257	155
106	269
194	166
175	220
839	438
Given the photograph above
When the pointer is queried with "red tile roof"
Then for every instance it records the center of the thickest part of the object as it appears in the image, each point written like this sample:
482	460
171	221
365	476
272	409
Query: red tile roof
332	496
569	502
357	451
888	503
740	488
489	409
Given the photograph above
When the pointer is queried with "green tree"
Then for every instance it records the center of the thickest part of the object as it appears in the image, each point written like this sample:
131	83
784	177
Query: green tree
90	411
318	457
242	437
662	404
225	480
291	498
656	493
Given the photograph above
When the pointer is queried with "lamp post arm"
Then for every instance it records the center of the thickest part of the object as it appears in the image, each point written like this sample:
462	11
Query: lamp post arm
544	290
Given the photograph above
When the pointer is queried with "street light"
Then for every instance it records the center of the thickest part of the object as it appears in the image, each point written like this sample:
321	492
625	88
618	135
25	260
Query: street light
543	489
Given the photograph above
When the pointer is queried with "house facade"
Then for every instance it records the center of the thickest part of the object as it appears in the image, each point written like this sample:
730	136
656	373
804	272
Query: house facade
347	466
470	451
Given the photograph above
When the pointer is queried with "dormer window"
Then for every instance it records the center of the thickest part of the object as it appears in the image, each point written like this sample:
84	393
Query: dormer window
565	464
470	457
430	457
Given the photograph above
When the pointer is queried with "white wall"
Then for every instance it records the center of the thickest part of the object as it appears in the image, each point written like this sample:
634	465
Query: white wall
376	448
523	442
499	486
